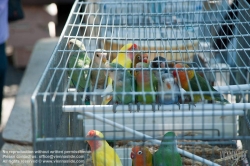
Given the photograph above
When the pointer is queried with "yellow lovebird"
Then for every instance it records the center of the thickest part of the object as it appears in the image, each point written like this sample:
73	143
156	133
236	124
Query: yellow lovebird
125	58
126	55
102	154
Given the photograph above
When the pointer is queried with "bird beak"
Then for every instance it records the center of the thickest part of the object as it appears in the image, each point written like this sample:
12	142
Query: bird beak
104	59
145	60
69	45
132	155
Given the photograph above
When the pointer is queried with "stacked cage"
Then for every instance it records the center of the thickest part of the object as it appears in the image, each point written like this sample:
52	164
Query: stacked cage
137	70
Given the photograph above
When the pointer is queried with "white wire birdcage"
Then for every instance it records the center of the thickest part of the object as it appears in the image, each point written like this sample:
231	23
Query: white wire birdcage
184	31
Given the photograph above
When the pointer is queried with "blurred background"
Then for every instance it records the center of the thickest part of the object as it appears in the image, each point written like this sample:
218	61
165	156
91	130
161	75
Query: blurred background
43	19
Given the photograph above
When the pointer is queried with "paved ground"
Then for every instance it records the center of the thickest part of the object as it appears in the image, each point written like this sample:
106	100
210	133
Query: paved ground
13	79
14	75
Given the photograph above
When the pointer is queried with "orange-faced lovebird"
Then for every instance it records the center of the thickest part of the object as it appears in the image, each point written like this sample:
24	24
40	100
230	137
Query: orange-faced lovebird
140	58
145	82
141	156
190	81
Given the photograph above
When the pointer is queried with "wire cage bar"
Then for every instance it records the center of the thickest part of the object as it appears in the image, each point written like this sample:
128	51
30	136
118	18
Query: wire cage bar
206	38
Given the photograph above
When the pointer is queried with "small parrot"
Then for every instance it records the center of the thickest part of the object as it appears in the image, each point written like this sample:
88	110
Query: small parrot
98	76
140	58
168	84
197	83
159	62
146	82
159	65
167	154
126	60
141	156
78	59
165	81
102	154
122	82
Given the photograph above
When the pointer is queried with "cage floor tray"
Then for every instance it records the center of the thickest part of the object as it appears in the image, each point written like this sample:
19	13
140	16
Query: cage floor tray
157	126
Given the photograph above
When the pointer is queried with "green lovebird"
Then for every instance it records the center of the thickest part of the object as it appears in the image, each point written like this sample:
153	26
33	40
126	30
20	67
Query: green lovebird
167	154
78	60
122	82
194	82
145	82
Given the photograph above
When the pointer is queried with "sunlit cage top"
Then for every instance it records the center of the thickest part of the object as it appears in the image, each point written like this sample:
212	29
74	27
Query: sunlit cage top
135	70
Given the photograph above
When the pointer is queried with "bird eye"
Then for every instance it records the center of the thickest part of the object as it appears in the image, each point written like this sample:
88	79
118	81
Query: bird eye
139	58
139	152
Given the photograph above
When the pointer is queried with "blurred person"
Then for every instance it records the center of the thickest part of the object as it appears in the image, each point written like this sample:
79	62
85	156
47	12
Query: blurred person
4	34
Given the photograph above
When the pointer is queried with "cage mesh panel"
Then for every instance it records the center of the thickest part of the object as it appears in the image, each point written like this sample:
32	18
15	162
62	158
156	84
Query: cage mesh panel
211	37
